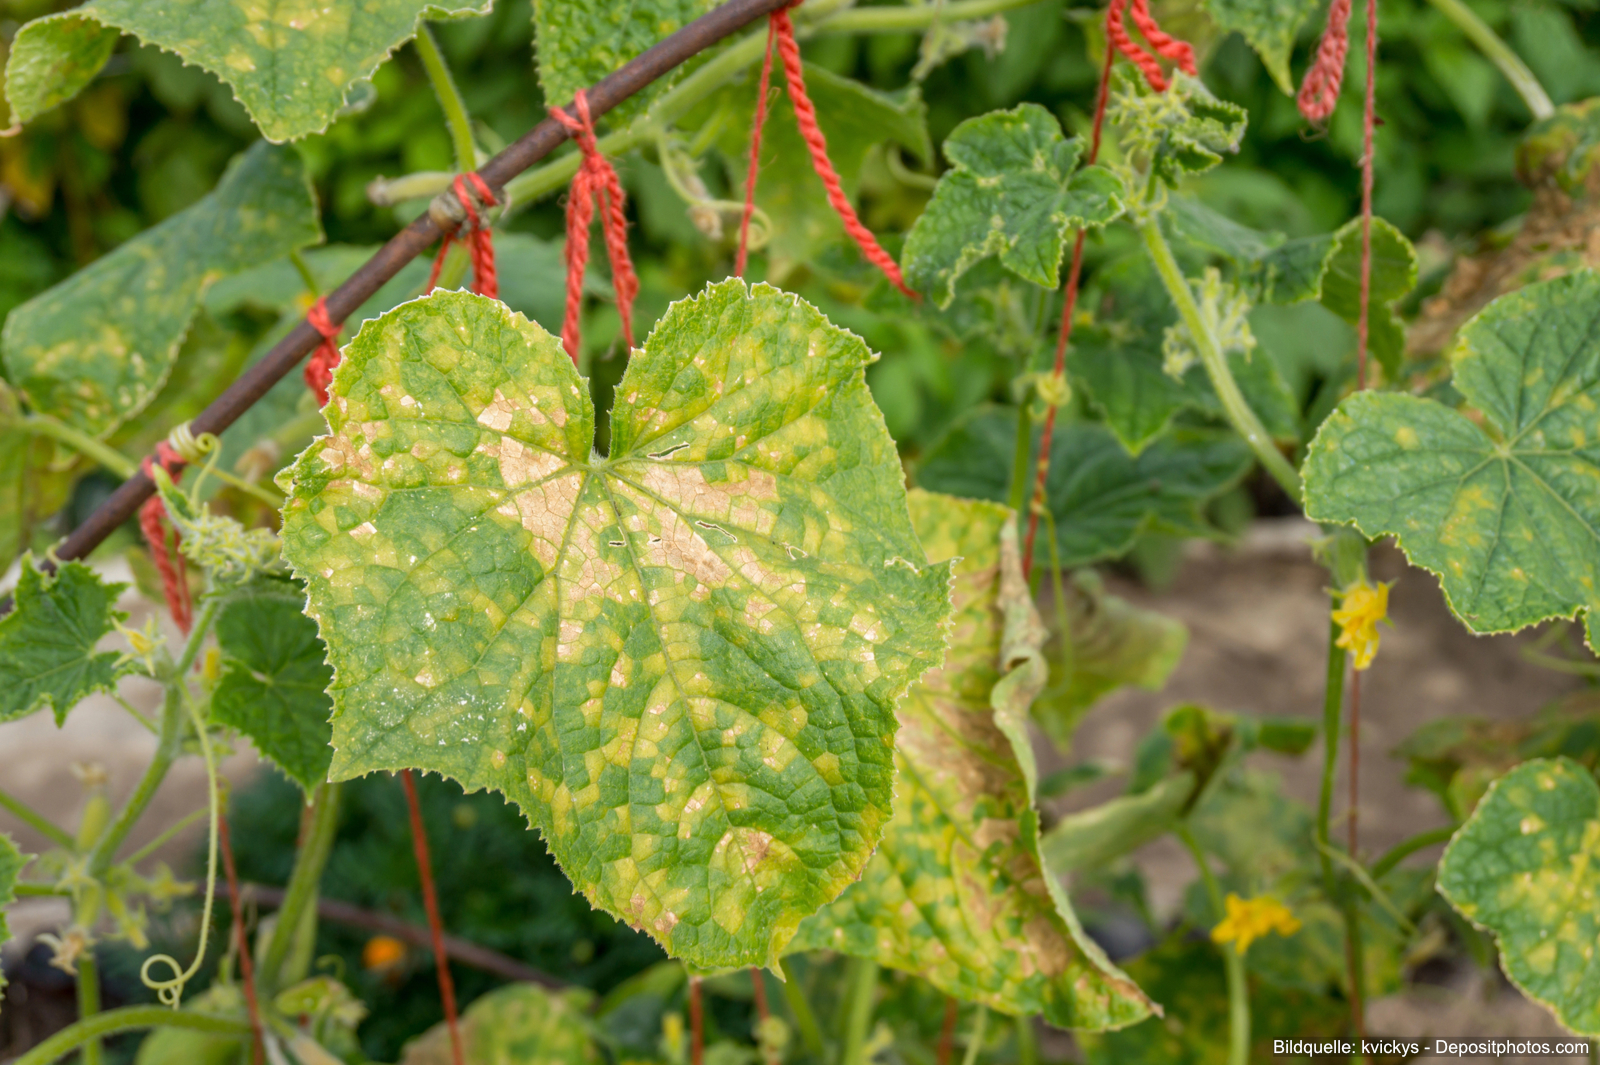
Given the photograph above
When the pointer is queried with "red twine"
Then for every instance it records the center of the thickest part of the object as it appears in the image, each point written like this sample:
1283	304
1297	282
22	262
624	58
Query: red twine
319	368
806	117
247	976
1319	92
595	182
480	242
169	564
430	903
1166	46
755	154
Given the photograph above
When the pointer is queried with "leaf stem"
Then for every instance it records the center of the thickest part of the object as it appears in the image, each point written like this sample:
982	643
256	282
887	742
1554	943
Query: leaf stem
800	1007
450	101
863	989
1240	416
92	1053
980	1024
1019	459
35	820
302	890
1232	960
79	441
1498	52
156	844
1406	848
1027	1042
1332	713
129	1018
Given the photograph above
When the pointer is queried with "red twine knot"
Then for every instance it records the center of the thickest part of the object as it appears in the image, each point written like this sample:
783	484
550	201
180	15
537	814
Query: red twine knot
471	192
805	115
1319	92
1166	46
319	369
164	553
595	182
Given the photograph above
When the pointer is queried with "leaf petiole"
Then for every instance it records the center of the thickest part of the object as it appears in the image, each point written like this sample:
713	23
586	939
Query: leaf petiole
35	820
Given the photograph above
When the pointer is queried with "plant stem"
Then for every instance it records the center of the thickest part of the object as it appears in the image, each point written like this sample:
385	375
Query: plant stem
81	442
89	1005
1238	410
168	746
1404	849
1500	54
1019	460
127	1019
302	890
303	268
35	820
800	1007
1027	1042
154	845
1232	960
863	989
450	101
40	891
980	1024
1332	712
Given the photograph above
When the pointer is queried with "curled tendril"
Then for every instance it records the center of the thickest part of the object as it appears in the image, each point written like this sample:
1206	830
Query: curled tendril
170	991
204	450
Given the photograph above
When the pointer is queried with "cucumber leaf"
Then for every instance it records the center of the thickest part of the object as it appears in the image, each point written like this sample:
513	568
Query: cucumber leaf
957	892
11	862
577	43
96	348
1505	513
1014	191
47	655
518	1023
292	66
1526	866
1182	131
681	659
1269	26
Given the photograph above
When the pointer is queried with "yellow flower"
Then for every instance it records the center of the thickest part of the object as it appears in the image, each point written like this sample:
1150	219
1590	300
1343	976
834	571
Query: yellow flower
1250	919
1361	607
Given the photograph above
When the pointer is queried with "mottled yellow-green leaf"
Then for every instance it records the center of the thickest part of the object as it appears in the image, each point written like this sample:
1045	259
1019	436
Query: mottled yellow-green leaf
957	893
578	42
290	63
521	1024
1182	130
1270	27
94	349
1506	513
1526	866
681	659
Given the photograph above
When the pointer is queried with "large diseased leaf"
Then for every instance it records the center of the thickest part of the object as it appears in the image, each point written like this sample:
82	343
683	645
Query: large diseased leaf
1507	514
275	681
290	64
521	1024
1101	497
47	655
1526	866
957	893
94	349
1014	190
1269	26
578	42
681	659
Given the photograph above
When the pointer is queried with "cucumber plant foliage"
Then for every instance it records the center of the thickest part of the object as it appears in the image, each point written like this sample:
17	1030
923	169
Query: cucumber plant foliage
957	892
1503	510
681	659
47	641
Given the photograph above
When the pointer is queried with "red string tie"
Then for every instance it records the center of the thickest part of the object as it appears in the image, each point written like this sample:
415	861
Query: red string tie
319	368
596	182
1319	92
806	117
1181	53
743	257
169	564
459	210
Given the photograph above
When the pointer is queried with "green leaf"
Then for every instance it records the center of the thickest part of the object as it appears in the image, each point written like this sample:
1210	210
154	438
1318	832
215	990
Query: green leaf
11	862
1102	498
94	349
31	489
957	892
275	681
1014	190
1394	273
1526	866
577	43
681	659
1090	839
853	117
292	66
1269	26
1113	644
515	1024
47	655
1182	131
1506	513
1119	360
1271	268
